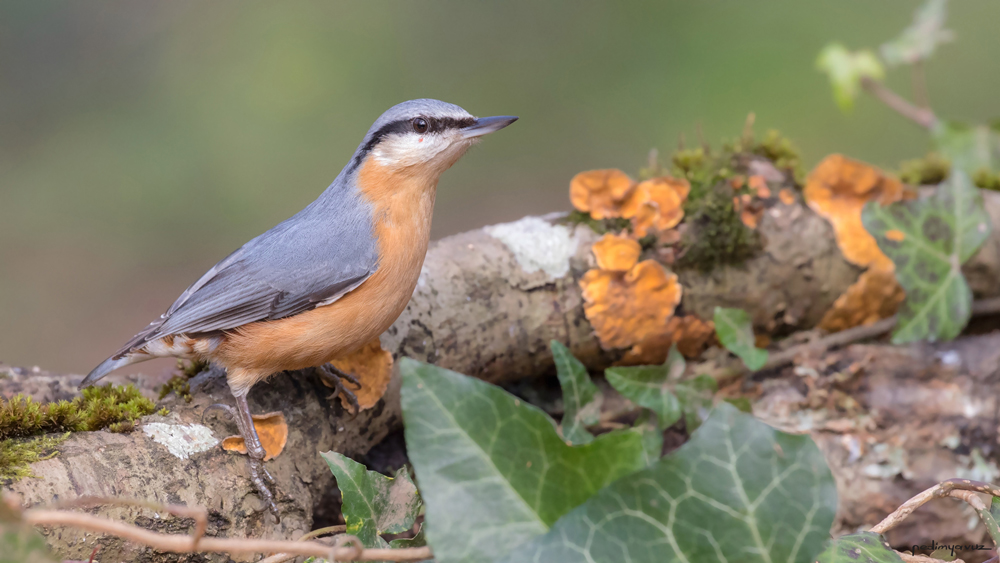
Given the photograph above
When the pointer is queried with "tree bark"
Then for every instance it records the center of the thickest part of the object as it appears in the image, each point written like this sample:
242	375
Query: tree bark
487	304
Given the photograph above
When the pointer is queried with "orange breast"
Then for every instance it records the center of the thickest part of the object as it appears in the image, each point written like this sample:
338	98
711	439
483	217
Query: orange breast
402	205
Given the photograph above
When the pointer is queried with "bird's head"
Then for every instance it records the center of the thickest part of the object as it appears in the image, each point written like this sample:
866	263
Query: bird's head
423	137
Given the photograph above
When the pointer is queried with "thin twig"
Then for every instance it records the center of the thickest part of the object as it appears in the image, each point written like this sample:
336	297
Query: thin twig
181	543
859	333
197	513
919	83
923	117
282	557
943	489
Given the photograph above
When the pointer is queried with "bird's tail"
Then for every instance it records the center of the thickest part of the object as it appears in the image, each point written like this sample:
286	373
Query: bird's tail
111	364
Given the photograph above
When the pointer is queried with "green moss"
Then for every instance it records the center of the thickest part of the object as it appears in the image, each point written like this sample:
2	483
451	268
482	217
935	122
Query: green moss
782	153
599	226
16	456
24	423
177	384
97	408
987	179
192	368
715	233
931	169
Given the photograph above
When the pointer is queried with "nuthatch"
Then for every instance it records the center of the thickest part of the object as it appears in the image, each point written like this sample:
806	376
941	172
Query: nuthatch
326	281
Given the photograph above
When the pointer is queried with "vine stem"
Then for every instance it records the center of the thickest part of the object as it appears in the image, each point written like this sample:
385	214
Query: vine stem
923	117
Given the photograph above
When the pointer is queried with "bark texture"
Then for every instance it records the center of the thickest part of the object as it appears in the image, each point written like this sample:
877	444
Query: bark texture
487	304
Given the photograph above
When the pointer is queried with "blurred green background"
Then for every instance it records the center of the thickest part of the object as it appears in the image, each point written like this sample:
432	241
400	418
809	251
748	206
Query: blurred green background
140	142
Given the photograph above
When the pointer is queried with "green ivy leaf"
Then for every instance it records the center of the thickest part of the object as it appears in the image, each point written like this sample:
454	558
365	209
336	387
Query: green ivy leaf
738	490
651	386
919	41
735	332
660	389
416	541
863	546
846	69
928	240
968	148
581	398
373	503
493	471
648	427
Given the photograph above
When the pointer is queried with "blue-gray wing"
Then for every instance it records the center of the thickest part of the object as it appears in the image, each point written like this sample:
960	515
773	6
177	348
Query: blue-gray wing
313	258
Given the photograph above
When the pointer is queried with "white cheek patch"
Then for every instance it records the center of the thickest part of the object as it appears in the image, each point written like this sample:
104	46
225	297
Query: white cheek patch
439	151
409	150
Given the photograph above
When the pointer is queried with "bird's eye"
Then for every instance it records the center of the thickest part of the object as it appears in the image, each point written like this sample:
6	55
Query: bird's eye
420	125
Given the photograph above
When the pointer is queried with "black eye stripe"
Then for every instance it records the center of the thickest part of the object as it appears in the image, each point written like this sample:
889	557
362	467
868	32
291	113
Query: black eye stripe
434	125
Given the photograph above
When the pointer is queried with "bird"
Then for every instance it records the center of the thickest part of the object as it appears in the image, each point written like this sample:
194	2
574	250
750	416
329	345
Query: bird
324	282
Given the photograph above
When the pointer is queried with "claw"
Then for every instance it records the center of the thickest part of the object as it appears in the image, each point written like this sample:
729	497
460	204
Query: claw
255	453
226	408
335	379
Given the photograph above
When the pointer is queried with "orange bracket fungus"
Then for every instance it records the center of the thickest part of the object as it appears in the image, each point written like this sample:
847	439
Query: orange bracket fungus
372	366
632	302
656	205
600	192
837	190
272	431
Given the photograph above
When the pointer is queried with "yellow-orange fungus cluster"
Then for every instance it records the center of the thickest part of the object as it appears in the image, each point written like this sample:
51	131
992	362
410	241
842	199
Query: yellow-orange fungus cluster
653	206
372	366
631	303
656	205
600	192
272	431
749	205
838	189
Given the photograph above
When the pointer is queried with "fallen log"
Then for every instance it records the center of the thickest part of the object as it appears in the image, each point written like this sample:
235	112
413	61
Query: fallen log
487	304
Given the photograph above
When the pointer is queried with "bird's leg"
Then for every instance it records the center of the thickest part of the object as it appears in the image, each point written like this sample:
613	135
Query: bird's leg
256	454
334	378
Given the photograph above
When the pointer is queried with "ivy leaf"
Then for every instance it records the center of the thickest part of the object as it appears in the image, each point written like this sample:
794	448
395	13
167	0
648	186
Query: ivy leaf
373	503
863	546
648	427
416	541
735	332
659	389
651	386
581	398
493	471
846	69
968	148
696	397
919	41
738	490
928	240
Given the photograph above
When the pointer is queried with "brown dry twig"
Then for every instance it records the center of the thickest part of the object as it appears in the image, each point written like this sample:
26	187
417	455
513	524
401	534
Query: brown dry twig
182	543
922	116
859	333
957	488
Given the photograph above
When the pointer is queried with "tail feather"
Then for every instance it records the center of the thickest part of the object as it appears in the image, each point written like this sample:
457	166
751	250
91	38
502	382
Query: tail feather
109	365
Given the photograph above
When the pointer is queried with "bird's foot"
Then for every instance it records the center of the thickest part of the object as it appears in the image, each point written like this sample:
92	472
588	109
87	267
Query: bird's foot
259	475
334	378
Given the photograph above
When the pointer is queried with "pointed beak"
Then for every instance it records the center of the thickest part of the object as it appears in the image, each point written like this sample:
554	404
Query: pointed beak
487	125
